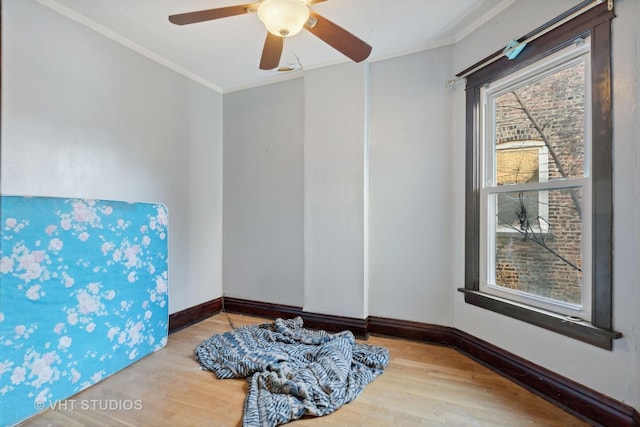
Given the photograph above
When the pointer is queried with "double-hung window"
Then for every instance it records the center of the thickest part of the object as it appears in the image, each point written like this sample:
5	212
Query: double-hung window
539	207
534	185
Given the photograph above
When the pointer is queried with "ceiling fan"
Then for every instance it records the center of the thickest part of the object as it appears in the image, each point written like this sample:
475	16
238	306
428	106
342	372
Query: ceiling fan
285	18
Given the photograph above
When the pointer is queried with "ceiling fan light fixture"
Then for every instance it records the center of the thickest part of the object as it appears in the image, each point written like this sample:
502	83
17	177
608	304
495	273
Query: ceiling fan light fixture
283	18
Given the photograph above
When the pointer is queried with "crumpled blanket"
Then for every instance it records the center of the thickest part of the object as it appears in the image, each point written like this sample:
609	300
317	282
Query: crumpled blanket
292	371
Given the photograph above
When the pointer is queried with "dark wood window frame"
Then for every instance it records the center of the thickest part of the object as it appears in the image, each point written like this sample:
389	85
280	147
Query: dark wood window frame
595	22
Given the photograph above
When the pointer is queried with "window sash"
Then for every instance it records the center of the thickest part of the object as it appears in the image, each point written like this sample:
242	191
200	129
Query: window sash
577	53
489	233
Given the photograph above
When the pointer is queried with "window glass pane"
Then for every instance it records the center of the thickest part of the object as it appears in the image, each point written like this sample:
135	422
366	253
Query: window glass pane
519	164
538	241
512	208
550	111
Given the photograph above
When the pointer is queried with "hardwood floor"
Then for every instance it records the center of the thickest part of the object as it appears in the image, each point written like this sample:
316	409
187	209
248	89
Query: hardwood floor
423	385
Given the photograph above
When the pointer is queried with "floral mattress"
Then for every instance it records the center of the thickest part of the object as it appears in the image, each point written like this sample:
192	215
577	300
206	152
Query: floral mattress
83	294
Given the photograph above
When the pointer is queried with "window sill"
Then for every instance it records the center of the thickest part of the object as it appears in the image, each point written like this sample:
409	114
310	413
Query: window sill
579	330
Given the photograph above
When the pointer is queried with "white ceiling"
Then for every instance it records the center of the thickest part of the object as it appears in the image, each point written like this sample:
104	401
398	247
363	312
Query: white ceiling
224	54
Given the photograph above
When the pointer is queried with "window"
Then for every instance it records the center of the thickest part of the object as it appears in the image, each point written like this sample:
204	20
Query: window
539	207
532	182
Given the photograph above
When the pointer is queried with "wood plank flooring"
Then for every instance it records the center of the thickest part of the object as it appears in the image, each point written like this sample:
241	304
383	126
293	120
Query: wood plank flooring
423	385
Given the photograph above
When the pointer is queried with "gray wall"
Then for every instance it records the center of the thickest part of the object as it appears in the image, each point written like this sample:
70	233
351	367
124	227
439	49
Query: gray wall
410	189
263	193
294	175
83	116
335	172
365	178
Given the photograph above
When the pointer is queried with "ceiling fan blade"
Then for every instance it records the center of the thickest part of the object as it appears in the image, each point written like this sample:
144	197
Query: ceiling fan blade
271	52
338	38
211	14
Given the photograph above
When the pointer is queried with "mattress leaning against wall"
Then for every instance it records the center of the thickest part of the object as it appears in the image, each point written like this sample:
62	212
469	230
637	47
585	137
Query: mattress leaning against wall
83	294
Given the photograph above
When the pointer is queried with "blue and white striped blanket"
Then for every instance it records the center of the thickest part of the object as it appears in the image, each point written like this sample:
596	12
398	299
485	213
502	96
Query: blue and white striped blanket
292	371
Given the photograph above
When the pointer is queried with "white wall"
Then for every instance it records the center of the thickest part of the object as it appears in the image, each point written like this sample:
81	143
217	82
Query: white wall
398	113
410	225
335	168
631	45
294	168
83	116
626	163
264	193
614	373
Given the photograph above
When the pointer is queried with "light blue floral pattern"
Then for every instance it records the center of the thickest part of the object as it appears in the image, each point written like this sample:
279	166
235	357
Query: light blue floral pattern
83	294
